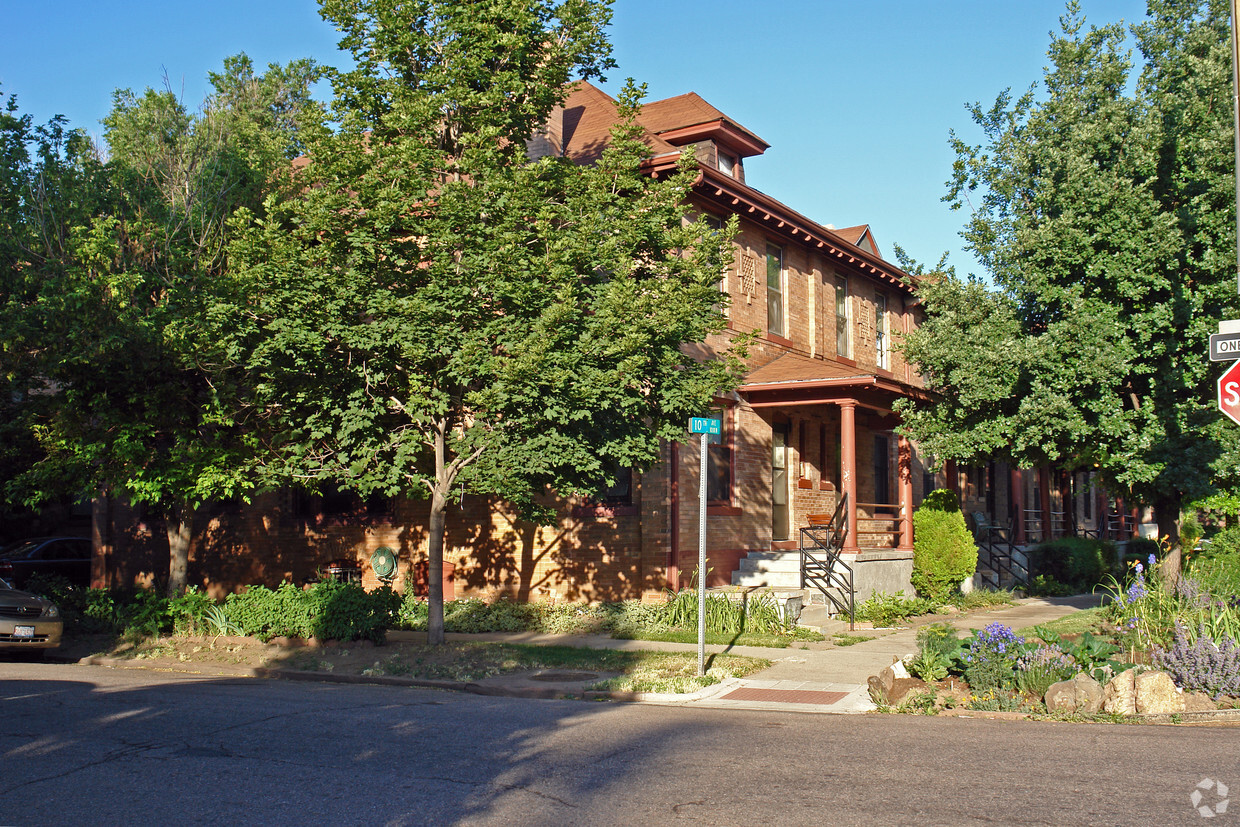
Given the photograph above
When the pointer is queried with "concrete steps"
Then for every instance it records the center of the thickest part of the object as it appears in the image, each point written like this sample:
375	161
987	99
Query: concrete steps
769	569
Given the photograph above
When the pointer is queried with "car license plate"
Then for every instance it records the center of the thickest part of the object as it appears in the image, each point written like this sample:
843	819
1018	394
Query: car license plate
23	631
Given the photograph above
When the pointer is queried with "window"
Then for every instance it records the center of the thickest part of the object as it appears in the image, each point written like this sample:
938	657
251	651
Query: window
882	471
715	225
822	456
719	462
802	452
882	343
621	492
843	320
774	290
727	163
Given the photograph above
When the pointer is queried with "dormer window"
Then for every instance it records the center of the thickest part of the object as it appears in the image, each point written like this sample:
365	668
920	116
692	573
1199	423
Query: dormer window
727	164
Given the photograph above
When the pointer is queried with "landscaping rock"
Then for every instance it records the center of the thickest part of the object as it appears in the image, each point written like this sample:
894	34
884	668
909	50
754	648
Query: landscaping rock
1082	695
1198	702
1088	694
883	685
1119	696
901	688
1061	697
1158	694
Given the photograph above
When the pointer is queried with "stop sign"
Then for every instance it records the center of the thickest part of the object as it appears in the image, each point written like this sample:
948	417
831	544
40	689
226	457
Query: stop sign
1229	392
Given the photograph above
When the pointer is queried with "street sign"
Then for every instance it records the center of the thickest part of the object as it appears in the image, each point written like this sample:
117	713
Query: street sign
705	425
1229	392
1224	347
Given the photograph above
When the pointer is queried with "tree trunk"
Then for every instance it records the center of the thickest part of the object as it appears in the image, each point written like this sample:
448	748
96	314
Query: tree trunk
1167	512
179	524
434	549
434	568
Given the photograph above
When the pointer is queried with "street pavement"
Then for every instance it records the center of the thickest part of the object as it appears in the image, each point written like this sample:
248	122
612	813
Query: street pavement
807	677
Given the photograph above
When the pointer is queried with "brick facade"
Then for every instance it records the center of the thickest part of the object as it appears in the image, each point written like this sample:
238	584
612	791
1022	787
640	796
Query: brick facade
798	382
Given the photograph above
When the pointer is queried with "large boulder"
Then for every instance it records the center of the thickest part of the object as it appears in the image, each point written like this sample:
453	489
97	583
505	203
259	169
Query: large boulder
1147	693
1082	695
1119	696
1158	694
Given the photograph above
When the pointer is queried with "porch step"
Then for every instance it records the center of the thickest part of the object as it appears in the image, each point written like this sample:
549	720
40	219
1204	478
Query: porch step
771	569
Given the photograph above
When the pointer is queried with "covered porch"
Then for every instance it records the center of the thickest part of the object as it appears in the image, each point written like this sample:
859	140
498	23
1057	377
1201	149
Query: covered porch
833	441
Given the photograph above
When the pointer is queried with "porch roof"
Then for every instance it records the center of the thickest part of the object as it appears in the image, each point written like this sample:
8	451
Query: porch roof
794	379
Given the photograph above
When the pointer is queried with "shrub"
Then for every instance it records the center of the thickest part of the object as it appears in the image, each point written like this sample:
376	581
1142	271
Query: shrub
938	648
328	610
1217	566
884	609
944	553
991	660
1077	562
1203	664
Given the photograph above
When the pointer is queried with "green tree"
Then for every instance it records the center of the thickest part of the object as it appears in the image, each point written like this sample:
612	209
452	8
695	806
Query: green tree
109	290
433	312
1101	210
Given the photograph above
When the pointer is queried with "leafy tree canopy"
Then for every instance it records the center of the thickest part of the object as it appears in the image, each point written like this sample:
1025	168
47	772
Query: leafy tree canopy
1102	206
432	310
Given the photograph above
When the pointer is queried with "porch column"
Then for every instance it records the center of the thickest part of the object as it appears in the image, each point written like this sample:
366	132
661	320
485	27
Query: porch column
848	459
1044	485
1018	506
905	473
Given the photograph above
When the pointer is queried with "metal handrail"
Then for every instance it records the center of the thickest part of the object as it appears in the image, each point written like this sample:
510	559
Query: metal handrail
995	542
821	566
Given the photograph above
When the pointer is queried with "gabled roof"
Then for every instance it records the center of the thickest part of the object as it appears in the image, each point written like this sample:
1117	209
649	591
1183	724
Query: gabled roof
687	116
860	236
588	116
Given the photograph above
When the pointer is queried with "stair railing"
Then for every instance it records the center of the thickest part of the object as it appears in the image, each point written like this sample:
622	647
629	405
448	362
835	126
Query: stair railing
997	552
821	566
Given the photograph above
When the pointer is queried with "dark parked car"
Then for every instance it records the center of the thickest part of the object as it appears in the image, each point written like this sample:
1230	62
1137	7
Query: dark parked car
27	623
68	557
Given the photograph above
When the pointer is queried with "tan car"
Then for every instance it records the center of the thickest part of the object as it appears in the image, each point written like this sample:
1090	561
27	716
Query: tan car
28	623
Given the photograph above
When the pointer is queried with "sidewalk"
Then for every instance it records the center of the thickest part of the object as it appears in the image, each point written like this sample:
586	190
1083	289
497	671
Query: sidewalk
809	677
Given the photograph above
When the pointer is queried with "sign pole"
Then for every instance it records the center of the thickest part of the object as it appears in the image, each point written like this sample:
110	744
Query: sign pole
1235	93
706	426
701	670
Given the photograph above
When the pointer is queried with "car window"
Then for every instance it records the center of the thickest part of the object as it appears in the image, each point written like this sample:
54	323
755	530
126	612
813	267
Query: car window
19	550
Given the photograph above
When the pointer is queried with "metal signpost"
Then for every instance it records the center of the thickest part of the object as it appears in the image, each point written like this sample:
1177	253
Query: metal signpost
706	426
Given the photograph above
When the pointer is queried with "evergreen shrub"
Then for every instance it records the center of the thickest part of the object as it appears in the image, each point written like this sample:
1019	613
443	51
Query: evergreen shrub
944	553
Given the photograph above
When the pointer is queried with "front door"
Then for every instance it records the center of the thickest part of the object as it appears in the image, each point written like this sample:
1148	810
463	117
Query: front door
779	483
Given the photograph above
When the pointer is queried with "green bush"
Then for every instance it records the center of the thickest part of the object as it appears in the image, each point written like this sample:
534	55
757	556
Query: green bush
884	609
328	610
1080	563
944	553
1217	566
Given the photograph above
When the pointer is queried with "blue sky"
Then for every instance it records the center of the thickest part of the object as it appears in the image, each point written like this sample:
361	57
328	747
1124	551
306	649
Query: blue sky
856	99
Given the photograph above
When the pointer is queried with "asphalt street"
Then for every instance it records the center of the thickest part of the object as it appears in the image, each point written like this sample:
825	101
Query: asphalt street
89	745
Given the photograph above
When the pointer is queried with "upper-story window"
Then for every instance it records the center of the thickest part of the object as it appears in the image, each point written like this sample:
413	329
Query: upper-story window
843	320
715	223
882	341
727	163
775	290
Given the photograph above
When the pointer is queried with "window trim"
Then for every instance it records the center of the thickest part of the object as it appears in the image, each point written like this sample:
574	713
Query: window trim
726	410
843	323
882	333
781	291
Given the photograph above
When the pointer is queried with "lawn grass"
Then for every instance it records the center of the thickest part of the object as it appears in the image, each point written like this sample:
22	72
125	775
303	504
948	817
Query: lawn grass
1077	623
715	639
848	640
639	671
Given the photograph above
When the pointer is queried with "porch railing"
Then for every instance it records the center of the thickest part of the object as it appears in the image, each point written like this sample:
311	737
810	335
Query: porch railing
879	523
821	566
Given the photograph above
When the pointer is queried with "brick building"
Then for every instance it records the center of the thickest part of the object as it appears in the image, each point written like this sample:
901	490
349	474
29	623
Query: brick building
812	421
